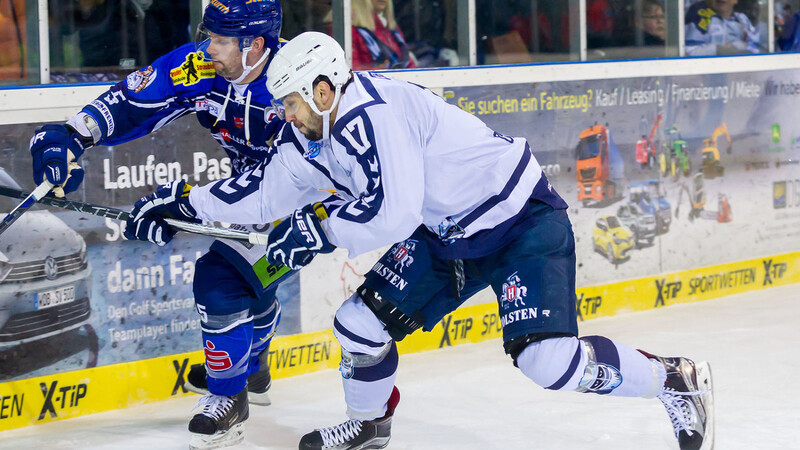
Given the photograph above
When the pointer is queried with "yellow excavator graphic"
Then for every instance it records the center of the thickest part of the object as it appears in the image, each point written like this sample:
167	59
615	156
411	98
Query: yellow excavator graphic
712	166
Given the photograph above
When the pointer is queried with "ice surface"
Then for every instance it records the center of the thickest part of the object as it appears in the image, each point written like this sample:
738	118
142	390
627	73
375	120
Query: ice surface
471	397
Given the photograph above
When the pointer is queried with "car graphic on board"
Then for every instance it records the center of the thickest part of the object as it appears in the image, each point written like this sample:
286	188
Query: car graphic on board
45	276
611	238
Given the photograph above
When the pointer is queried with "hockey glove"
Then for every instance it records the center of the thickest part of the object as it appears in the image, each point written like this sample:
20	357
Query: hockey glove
295	242
55	150
149	228
147	217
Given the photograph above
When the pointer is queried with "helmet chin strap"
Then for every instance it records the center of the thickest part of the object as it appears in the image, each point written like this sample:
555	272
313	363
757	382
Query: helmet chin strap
248	69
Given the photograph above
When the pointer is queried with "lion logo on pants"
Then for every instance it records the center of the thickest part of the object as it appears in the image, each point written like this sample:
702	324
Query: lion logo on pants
513	292
402	254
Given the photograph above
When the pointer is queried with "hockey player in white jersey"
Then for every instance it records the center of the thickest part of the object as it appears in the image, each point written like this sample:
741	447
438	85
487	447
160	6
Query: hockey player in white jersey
467	207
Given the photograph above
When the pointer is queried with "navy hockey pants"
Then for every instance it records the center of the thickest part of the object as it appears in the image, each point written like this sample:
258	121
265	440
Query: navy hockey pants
533	279
237	323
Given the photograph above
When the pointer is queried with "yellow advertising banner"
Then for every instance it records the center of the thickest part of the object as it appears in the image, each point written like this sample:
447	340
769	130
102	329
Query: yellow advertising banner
54	397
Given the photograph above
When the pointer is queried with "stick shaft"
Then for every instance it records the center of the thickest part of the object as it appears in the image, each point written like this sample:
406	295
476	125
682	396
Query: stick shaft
28	200
118	214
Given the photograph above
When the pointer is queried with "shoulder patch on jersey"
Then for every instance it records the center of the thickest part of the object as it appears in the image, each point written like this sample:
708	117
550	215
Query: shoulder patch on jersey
193	70
139	80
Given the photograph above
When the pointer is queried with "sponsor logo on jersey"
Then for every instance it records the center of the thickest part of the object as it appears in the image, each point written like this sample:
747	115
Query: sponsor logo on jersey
513	292
192	71
229	137
106	113
390	276
314	148
215	109
522	314
141	79
201	105
402	254
238	122
217	360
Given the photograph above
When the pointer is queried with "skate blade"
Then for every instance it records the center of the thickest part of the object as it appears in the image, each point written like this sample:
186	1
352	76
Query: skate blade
705	383
208	442
260	399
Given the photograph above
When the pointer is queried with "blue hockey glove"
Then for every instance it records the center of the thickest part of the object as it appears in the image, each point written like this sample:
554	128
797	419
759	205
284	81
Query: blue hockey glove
147	217
295	242
149	228
55	150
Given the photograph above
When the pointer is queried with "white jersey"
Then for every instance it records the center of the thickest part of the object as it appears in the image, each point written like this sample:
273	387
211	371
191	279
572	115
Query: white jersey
399	157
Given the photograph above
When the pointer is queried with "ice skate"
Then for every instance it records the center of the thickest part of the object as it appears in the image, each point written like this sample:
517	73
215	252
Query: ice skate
220	423
258	383
354	434
689	398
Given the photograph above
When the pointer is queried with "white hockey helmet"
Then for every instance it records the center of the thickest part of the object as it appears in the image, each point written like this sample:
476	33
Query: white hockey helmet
301	61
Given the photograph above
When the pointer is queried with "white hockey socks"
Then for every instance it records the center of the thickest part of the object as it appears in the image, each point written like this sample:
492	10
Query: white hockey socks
591	364
369	360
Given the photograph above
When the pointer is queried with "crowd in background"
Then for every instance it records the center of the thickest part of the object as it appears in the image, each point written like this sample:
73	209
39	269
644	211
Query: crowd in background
99	40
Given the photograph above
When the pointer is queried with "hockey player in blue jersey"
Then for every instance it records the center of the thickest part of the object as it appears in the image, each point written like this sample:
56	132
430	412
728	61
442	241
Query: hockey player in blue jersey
467	207
220	78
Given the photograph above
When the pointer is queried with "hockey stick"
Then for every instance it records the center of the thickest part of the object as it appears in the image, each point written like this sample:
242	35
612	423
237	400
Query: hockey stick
113	213
29	199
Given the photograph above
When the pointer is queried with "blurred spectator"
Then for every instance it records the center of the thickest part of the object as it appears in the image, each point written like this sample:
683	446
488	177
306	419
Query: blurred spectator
714	28
600	24
12	39
786	29
652	23
377	41
647	29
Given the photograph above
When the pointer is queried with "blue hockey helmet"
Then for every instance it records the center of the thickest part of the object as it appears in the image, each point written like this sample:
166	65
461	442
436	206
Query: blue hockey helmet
242	19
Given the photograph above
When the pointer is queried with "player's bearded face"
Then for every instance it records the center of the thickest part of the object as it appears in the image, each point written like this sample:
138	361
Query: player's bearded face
300	114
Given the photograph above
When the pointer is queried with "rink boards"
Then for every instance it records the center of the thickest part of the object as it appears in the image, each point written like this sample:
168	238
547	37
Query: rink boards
71	394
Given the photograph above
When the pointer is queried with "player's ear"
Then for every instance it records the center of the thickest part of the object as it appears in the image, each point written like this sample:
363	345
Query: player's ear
323	94
258	43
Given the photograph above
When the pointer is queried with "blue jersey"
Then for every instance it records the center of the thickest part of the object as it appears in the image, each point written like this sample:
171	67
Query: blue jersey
239	117
180	83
